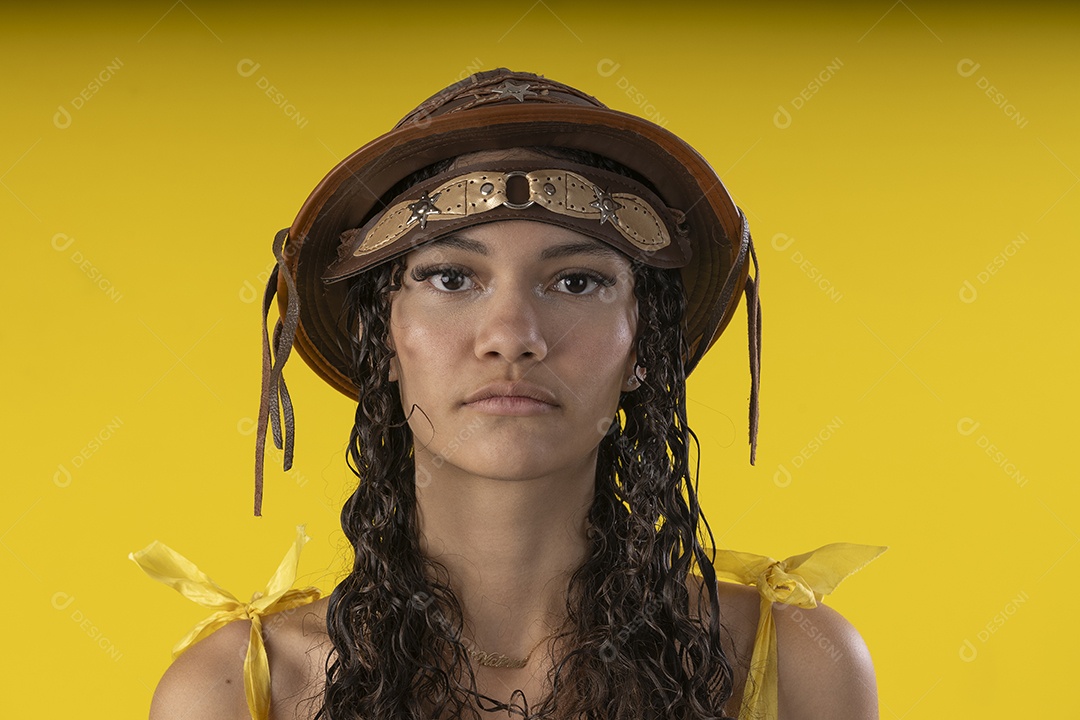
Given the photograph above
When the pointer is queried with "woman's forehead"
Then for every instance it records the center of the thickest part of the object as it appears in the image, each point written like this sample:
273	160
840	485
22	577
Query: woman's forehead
530	238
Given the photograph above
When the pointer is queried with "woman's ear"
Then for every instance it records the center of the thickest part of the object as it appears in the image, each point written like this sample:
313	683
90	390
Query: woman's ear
634	373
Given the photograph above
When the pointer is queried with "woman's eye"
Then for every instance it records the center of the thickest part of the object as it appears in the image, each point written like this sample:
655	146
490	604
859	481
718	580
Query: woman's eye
444	279
582	283
451	280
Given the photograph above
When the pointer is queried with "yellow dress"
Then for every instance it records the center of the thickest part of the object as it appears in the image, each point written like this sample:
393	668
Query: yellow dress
800	580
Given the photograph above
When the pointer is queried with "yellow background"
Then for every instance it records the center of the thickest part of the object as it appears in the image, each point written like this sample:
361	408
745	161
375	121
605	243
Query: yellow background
127	409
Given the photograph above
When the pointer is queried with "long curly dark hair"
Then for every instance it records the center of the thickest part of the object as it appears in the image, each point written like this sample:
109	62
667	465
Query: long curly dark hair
636	647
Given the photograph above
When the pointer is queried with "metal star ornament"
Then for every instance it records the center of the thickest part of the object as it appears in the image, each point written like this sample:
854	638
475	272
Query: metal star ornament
513	89
606	205
422	208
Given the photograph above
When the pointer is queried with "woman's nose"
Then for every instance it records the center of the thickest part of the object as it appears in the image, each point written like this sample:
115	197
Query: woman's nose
510	325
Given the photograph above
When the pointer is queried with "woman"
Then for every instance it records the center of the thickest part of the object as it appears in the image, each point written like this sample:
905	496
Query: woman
514	283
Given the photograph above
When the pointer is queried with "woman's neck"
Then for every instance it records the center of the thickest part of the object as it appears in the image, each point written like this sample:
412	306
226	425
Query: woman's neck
510	546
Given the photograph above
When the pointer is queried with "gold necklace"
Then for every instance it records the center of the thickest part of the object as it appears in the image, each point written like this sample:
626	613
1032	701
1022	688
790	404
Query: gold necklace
498	660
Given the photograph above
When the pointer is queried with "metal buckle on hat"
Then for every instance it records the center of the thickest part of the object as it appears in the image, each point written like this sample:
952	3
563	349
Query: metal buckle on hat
507	177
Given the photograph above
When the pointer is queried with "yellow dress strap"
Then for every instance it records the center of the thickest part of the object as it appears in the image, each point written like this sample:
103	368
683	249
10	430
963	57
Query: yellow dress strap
800	580
167	566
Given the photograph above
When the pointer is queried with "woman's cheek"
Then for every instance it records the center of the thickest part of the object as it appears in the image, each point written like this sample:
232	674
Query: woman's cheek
612	340
430	355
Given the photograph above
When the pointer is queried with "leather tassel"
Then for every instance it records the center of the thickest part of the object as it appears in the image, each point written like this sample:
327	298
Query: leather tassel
275	398
753	331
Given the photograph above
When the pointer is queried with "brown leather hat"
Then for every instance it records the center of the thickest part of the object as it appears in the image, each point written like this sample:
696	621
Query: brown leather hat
680	216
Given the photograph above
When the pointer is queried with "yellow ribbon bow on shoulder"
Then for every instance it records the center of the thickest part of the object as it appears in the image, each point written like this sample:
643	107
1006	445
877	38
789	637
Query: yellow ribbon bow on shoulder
165	565
800	580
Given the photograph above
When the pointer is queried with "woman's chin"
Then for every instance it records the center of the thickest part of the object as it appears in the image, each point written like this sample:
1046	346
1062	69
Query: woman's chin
517	464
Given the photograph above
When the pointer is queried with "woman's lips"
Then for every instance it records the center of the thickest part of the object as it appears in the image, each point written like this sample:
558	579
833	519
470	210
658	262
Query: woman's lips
505	397
510	405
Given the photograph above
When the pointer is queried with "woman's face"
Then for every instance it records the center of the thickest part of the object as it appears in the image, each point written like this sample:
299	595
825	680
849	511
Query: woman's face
531	308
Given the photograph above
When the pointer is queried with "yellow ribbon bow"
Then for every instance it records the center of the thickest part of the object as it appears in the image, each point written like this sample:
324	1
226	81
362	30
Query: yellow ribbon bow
801	580
165	565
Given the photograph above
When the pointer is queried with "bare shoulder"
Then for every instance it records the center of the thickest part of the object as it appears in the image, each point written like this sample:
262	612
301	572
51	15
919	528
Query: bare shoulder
823	666
207	681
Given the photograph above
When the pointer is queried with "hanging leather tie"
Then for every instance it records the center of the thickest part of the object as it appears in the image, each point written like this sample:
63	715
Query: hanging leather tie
275	397
753	331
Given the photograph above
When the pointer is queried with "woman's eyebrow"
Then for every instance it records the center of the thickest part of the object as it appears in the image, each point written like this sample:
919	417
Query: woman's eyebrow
589	247
462	243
